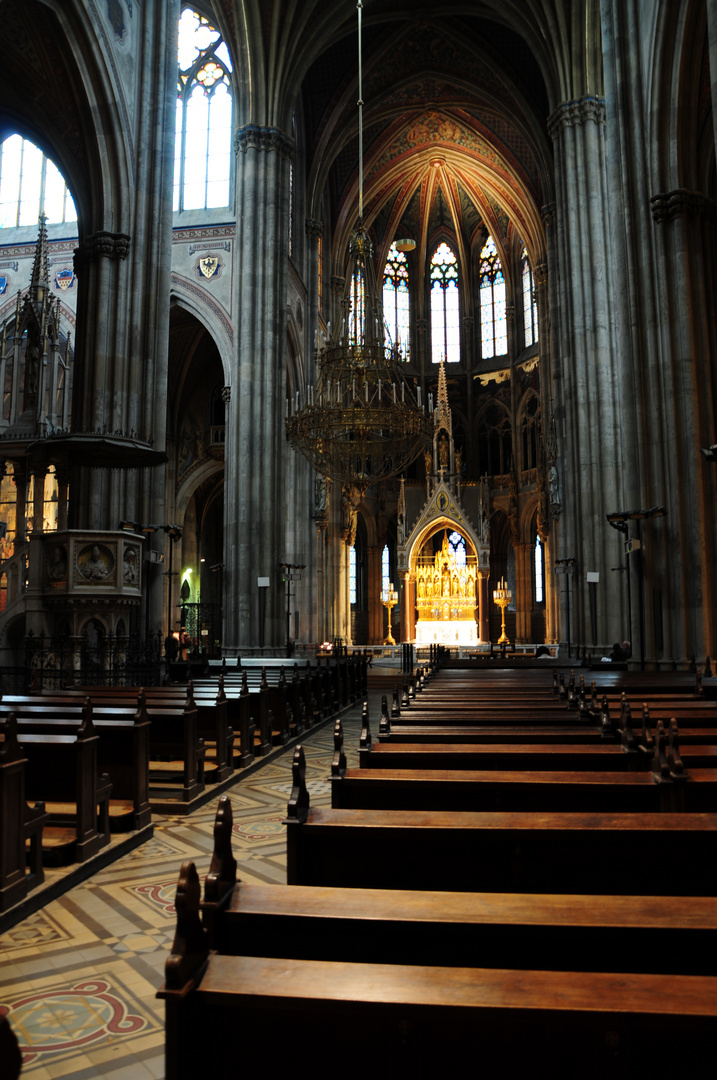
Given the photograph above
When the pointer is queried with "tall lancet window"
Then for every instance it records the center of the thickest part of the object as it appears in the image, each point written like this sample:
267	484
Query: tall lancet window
202	151
445	319
396	301
493	325
385	569
30	185
530	308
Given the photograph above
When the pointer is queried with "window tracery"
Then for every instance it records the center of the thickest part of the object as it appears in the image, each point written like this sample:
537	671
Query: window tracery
495	442
530	308
202	155
31	185
530	431
396	301
445	314
493	304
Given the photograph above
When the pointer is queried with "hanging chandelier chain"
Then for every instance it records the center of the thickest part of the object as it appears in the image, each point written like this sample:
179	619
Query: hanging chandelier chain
364	420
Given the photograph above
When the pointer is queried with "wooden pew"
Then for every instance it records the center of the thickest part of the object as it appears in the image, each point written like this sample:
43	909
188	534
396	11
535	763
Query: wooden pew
136	744
213	727
421	1018
526	791
122	752
500	851
62	773
21	825
561	933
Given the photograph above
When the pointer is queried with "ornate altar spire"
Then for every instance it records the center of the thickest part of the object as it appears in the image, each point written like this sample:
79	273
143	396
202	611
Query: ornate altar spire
442	416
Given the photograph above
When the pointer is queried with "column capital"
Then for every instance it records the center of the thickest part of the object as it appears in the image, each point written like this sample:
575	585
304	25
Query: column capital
314	228
253	137
671	204
575	114
101	244
540	275
547	213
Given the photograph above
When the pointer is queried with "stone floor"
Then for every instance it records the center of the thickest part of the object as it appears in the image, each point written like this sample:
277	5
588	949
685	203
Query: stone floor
78	978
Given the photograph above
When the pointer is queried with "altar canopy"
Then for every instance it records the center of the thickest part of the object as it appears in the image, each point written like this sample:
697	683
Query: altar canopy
446	599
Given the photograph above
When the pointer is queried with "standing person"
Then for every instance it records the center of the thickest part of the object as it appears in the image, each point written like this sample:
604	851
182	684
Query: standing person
171	647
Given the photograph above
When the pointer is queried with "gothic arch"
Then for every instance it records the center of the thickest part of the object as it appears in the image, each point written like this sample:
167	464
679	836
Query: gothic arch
73	80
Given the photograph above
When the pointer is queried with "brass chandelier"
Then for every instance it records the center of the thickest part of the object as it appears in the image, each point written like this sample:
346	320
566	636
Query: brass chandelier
364	420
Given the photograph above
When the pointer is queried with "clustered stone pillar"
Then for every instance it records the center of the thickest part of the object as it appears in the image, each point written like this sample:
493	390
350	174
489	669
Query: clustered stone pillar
593	462
255	454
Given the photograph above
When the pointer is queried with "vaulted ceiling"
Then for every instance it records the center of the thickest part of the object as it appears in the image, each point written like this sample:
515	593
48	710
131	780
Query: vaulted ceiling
455	139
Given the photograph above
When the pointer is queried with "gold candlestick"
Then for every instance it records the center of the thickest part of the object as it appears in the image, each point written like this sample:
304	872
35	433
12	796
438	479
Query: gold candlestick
502	596
389	599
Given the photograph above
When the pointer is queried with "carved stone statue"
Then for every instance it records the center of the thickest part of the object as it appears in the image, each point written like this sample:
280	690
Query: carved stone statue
321	496
350	498
129	567
443	452
553	487
96	567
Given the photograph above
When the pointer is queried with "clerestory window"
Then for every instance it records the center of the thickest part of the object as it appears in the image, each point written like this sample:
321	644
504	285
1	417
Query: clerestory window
396	301
202	153
493	324
530	308
445	315
31	185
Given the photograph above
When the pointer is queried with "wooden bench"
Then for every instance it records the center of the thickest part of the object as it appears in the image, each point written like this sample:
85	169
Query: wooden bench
421	1018
122	753
21	825
500	851
212	724
562	933
175	753
62	773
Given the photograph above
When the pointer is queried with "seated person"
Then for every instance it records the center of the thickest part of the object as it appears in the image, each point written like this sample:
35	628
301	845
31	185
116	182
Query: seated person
618	654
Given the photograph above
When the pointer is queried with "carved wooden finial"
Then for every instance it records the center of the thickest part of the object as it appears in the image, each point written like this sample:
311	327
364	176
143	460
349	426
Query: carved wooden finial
298	808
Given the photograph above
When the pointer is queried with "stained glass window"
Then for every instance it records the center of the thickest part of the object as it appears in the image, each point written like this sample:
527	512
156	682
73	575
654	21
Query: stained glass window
352	575
539	571
320	261
30	185
385	570
396	301
458	545
445	318
494	329
530	310
202	152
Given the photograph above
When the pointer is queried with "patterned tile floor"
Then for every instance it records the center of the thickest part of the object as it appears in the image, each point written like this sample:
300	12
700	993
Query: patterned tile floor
78	978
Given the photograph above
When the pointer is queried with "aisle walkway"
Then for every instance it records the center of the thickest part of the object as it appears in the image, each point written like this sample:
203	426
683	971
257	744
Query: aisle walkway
79	977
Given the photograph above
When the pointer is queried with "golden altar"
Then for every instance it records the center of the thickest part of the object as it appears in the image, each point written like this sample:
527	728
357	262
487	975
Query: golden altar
446	599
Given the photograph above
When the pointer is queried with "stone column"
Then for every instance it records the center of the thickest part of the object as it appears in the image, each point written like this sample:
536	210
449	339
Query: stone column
123	268
408	608
19	477
591	434
665	345
523	593
483	607
256	450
